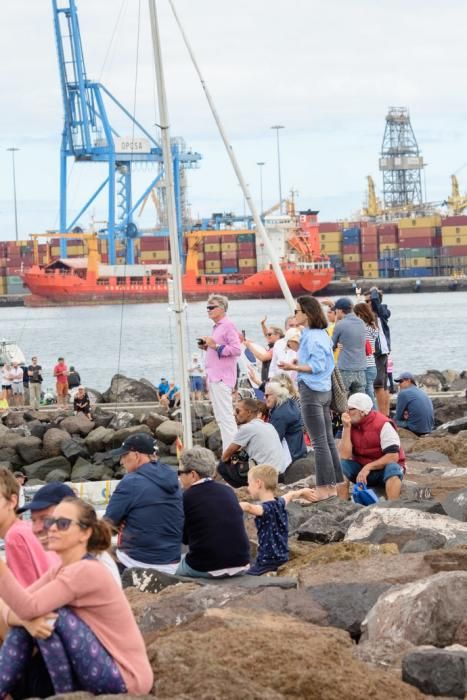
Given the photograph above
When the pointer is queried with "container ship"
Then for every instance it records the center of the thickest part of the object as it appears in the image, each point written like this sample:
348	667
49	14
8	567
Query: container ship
230	262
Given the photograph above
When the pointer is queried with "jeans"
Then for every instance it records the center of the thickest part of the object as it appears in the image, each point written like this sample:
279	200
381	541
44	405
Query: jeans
316	414
354	381
73	656
370	376
377	477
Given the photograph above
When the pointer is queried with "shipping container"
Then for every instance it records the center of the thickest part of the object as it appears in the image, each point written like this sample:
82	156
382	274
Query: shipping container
417	262
331	237
420	222
425	242
424	232
229	270
352	257
416	272
247	270
369	249
212	247
212	256
369	265
246	238
229	238
419	252
453	250
331	249
155	243
460	220
228	247
369	257
371	274
247	262
329	227
350	249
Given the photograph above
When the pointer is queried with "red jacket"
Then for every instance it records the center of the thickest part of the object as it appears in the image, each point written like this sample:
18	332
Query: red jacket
366	439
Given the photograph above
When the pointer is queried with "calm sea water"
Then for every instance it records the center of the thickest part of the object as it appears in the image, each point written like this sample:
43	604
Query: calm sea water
428	331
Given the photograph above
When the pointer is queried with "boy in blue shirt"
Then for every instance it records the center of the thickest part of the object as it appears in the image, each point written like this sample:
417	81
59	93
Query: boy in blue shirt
271	519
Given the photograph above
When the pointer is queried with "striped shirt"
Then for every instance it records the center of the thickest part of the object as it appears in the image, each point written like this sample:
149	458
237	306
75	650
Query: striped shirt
371	335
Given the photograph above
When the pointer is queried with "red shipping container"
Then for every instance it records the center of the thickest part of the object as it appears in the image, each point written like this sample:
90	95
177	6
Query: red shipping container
369	257
229	258
154	243
419	232
426	242
353	267
247	247
229	238
388	238
369	247
369	230
454	221
212	256
350	249
329	227
454	250
247	270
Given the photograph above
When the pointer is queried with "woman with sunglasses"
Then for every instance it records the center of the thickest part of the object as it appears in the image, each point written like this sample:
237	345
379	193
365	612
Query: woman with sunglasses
315	364
73	616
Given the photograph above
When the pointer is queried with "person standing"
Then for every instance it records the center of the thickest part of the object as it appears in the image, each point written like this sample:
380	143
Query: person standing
315	366
281	352
350	335
222	350
374	298
35	383
17	389
74	380
364	312
61	377
196	374
6	382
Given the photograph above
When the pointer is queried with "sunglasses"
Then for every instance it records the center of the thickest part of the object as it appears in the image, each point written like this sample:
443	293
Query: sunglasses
183	471
61	524
210	308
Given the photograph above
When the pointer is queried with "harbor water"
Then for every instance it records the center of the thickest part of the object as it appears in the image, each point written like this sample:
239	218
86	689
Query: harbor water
428	331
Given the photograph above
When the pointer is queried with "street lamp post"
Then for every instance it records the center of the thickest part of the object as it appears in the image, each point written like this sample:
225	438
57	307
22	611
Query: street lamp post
260	165
277	127
13	150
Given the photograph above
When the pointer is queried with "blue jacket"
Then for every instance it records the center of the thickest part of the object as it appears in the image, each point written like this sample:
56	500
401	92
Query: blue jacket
147	506
287	420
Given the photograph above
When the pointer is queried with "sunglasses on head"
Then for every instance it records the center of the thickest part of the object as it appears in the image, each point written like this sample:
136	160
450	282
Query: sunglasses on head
211	307
61	523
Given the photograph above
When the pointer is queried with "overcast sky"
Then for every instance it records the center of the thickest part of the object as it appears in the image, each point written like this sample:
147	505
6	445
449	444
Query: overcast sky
325	69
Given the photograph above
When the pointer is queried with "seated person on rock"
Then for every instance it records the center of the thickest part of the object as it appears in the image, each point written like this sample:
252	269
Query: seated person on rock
42	506
162	388
370	448
284	414
82	403
259	440
75	616
272	523
147	508
171	398
214	529
414	409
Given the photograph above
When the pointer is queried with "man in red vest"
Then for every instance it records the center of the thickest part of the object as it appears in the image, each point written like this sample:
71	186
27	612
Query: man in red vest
370	449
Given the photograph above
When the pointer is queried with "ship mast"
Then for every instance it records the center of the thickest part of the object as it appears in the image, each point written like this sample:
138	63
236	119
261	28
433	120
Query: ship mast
179	307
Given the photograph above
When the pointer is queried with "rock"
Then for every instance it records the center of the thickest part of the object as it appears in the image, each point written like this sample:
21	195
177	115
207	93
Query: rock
403	612
321	528
209	429
121	435
454	426
448	409
58	475
101	418
126	390
74	447
10	439
52	442
347	604
85	471
122	419
304	556
168	431
153	581
153	421
300	469
437	671
215	443
37	429
97	439
30	449
432	381
94	395
428	506
454	559
386	654
297	516
10	456
402	525
39	470
430	456
234	671
13	419
455	505
460	382
77	425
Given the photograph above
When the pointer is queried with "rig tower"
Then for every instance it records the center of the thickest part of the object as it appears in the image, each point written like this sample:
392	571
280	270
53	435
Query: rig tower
400	162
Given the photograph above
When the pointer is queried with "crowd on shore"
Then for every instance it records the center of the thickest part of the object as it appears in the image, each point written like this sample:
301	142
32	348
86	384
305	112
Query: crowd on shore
322	387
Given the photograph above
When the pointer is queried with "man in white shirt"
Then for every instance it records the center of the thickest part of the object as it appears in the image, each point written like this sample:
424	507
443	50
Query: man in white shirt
281	352
17	389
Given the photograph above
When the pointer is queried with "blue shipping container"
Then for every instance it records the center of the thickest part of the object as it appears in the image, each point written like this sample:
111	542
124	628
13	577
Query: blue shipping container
229	270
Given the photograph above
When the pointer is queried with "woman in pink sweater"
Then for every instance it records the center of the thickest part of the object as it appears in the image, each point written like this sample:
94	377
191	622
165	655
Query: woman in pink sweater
75	615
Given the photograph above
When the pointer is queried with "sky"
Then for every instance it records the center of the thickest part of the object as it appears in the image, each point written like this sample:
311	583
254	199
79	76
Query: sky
327	70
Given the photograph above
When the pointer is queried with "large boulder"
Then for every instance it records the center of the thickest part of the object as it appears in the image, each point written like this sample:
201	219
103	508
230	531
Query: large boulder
153	420
101	418
455	505
403	525
10	457
37	429
86	471
120	436
30	449
74	447
321	528
11	438
13	419
168	431
52	442
454	426
40	469
97	439
448	409
432	381
437	671
77	425
428	611
126	390
300	469
122	419
58	475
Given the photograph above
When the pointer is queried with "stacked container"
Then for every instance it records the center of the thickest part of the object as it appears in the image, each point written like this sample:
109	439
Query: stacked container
369	248
153	250
212	254
246	253
454	245
351	251
229	253
419	244
330	241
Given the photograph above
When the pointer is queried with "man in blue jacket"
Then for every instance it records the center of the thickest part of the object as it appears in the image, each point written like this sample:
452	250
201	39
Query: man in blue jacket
414	409
147	508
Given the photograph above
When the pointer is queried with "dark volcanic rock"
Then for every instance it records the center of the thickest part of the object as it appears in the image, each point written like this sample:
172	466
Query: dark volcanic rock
58	475
321	528
39	470
37	429
456	505
454	426
122	419
428	506
432	457
300	469
168	431
448	409
74	447
153	421
97	439
126	390
52	442
77	425
13	419
437	671
85	471
10	456
30	449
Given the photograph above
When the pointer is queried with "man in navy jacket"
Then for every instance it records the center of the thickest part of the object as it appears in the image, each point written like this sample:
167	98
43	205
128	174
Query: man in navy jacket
147	508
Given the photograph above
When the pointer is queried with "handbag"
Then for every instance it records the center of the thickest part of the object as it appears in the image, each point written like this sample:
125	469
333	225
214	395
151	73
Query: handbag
339	392
363	495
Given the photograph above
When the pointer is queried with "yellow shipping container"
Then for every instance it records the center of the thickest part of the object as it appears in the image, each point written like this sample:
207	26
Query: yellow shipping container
247	262
352	257
389	246
373	265
448	239
332	237
421	222
331	248
454	230
228	246
212	247
418	262
2	285
211	264
371	274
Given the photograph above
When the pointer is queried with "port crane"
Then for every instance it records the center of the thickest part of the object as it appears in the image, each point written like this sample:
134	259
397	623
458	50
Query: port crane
88	136
457	202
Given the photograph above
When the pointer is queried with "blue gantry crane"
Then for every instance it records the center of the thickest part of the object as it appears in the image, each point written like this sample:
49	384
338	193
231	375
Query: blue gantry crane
88	136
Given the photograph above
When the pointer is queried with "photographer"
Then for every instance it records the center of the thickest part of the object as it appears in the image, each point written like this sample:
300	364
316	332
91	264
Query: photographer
374	297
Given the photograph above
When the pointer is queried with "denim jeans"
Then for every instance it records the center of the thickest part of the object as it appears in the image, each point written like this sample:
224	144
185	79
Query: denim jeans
316	414
377	477
370	376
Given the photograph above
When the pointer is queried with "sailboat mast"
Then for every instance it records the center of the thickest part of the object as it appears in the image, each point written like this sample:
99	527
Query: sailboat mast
241	180
179	306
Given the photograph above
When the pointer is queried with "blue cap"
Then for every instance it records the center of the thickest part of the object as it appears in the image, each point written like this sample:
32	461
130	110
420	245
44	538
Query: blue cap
406	376
49	495
138	442
344	304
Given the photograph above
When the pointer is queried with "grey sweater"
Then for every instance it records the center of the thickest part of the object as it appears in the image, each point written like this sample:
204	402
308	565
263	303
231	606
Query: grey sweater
351	332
